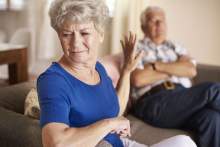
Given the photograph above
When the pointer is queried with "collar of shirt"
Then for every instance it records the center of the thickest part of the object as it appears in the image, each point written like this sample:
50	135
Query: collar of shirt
166	45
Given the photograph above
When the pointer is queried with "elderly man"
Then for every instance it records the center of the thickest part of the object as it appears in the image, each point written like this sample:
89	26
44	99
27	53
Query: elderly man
161	87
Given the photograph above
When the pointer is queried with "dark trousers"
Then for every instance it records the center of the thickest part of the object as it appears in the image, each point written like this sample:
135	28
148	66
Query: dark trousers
196	108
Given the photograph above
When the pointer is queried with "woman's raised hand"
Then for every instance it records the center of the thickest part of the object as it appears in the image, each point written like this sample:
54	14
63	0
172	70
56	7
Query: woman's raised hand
121	126
129	48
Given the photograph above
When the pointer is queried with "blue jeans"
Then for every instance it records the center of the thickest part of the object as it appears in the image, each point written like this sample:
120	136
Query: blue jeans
196	108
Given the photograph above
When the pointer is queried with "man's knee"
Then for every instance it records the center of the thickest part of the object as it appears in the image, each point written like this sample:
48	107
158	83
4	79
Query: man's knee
213	84
212	88
212	118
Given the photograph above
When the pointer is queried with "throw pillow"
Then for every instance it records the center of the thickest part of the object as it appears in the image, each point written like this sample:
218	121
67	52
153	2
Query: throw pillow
112	66
31	106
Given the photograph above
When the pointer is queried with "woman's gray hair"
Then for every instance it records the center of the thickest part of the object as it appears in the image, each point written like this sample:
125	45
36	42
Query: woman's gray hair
147	11
79	11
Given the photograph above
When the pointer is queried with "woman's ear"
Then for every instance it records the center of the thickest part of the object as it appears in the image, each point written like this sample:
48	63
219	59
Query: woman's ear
102	34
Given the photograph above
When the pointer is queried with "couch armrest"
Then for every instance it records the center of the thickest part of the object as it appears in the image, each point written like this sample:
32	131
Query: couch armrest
19	130
13	97
207	73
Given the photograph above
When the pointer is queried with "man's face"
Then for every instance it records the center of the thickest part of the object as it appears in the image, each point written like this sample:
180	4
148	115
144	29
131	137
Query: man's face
156	26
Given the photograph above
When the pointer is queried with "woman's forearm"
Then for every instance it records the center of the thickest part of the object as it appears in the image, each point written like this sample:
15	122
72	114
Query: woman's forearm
122	90
57	134
130	63
61	135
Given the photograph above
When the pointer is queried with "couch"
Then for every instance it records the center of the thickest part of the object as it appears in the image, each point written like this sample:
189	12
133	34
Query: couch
18	130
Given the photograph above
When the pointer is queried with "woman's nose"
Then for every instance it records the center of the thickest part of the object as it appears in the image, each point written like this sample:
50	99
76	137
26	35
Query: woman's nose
75	42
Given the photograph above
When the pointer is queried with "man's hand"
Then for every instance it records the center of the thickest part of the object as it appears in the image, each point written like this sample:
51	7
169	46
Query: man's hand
184	58
148	66
183	67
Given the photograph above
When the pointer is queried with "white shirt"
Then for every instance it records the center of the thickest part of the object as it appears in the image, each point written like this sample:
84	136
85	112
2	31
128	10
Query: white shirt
167	52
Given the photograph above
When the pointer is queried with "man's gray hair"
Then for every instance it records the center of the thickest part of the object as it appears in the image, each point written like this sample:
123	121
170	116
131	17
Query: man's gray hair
147	11
79	11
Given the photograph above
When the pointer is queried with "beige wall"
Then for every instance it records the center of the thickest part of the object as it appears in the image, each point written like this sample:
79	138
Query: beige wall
193	23
9	22
196	25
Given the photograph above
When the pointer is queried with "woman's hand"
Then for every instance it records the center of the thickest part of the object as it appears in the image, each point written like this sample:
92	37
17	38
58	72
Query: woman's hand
129	48
121	126
130	63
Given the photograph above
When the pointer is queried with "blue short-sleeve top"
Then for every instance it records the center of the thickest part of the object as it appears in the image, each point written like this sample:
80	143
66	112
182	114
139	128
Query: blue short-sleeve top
65	99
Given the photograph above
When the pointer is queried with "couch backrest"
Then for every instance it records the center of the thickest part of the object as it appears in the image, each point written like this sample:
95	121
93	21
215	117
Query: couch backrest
207	73
13	97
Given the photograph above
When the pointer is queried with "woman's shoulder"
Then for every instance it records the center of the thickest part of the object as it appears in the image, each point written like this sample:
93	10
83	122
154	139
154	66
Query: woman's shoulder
53	73
51	82
100	67
55	68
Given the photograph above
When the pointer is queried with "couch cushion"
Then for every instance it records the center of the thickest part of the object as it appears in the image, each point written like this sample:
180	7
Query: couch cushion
147	134
103	143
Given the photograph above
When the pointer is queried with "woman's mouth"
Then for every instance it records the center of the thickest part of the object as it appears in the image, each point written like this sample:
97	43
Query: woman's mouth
77	52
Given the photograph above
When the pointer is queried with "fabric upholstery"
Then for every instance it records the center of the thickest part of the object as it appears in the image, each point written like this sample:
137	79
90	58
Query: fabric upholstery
13	97
103	143
207	73
19	130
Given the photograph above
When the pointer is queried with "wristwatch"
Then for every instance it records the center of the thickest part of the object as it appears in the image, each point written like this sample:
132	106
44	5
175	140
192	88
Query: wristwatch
153	65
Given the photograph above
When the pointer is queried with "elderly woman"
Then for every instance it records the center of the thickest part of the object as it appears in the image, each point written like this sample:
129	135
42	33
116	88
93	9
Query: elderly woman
79	106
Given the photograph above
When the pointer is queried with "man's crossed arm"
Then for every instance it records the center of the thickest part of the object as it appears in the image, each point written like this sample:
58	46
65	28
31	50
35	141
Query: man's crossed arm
183	67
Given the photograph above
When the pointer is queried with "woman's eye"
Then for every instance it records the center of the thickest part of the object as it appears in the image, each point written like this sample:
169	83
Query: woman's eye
66	35
85	34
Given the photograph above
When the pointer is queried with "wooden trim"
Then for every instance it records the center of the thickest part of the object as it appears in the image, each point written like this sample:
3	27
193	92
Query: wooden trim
17	64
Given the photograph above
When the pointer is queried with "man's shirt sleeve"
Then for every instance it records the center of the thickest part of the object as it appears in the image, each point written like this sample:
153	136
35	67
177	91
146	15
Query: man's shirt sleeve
140	62
180	50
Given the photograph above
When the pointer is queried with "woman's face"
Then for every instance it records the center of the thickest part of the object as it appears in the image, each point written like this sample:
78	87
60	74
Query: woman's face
80	42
